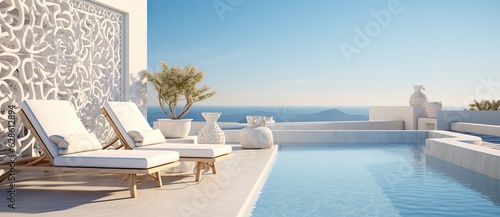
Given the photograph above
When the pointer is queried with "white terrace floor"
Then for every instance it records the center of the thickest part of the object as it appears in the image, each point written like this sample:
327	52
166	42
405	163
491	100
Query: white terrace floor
231	192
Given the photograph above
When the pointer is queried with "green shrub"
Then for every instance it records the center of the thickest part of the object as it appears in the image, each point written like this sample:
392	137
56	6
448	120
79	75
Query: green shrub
175	84
485	105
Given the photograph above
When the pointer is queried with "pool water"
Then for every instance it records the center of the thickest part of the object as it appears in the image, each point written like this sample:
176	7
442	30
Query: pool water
485	138
373	180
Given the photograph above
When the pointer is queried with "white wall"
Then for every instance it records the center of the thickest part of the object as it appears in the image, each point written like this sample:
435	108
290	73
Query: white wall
444	118
427	124
326	125
232	129
407	114
136	35
463	150
83	51
330	136
339	125
485	129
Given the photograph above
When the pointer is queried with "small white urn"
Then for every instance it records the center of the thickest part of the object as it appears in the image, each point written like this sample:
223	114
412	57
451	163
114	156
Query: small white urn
256	134
433	108
418	98
211	133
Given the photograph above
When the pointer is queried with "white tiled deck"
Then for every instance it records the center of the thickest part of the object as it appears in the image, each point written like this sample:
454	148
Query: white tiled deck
226	194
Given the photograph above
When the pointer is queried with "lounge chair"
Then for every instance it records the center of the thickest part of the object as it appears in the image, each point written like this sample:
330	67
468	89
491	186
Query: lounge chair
125	118
67	146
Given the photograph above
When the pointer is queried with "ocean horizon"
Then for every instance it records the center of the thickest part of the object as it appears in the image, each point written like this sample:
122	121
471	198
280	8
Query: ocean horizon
279	113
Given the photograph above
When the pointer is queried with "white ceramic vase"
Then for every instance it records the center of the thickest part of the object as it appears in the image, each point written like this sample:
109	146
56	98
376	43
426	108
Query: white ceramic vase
256	134
418	98
433	108
174	128
211	133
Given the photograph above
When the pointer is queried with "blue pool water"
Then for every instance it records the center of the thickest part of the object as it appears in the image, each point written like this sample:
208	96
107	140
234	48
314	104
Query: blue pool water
485	138
373	180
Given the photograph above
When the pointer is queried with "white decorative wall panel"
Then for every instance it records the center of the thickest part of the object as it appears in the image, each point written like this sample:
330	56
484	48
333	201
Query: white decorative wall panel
60	49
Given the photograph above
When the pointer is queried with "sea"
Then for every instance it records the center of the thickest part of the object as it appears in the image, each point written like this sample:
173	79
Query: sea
279	113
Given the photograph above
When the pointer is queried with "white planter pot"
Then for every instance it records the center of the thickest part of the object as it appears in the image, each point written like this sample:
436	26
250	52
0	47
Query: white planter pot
433	108
174	128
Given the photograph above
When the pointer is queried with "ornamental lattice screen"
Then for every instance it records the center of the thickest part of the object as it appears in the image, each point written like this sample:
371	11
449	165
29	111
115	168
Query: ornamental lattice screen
59	49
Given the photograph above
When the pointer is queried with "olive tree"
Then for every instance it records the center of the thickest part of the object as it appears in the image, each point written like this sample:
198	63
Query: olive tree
175	84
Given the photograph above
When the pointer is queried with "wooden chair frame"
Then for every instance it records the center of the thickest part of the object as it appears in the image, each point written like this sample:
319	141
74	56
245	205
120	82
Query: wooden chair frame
199	161
131	176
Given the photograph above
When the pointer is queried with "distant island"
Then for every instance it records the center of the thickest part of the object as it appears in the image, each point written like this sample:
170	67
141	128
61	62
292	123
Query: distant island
327	115
236	115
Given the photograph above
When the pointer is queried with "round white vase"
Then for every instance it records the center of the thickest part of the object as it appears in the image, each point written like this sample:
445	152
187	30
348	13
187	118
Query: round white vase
418	98
433	108
174	128
256	134
211	133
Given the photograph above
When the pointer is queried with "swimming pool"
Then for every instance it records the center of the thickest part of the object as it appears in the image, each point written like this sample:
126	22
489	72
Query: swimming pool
484	137
373	180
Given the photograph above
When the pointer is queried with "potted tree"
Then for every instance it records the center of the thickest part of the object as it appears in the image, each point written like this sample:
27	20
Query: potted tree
174	85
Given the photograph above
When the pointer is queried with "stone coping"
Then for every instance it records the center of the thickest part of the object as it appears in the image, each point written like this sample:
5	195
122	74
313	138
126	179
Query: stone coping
485	129
465	151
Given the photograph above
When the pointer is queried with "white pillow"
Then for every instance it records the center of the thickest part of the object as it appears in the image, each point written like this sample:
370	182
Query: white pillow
147	137
74	143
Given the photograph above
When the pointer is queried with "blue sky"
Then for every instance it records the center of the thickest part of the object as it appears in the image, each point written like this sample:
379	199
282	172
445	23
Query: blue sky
334	53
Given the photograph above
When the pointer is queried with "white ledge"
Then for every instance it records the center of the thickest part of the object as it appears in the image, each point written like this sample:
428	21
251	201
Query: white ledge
486	129
465	151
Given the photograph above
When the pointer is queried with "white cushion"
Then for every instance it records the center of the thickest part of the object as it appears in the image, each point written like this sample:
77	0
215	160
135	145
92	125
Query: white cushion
147	137
74	143
127	117
190	150
51	117
117	159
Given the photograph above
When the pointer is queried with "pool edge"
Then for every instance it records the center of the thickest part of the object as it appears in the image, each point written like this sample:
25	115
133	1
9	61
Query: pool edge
248	205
